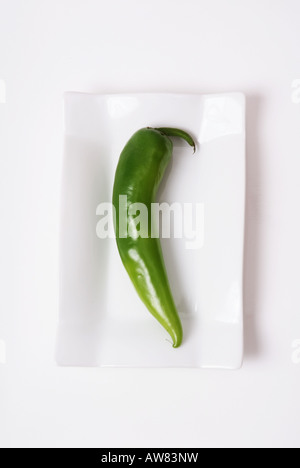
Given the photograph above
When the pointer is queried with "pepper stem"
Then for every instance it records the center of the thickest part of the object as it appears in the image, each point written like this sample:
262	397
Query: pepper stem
176	132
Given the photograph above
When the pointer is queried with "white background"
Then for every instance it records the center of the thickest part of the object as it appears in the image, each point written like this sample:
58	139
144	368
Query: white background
51	46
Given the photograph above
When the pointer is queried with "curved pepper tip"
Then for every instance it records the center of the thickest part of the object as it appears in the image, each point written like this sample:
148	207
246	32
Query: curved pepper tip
177	340
176	345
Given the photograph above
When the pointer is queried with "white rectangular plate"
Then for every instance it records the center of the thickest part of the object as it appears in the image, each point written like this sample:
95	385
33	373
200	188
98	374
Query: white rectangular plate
102	322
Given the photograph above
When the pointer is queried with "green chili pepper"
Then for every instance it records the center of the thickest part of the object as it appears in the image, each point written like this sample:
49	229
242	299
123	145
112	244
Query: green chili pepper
140	170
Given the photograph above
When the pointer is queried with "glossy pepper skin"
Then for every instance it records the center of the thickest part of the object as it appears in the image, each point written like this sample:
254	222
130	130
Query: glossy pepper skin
141	167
